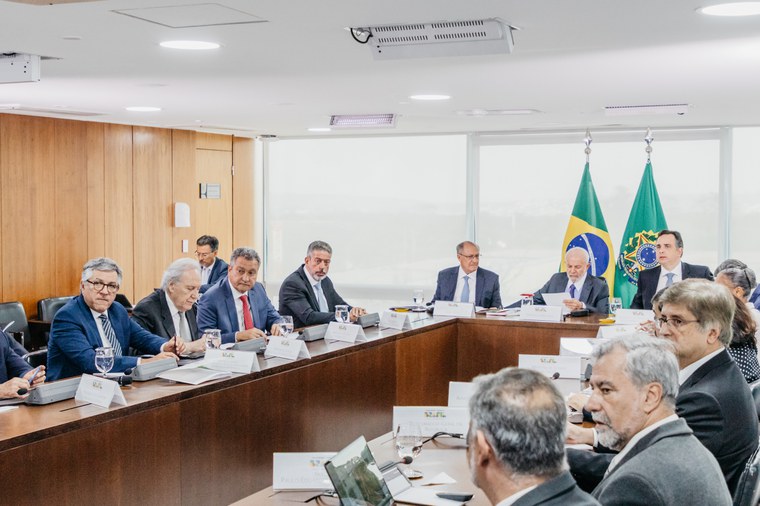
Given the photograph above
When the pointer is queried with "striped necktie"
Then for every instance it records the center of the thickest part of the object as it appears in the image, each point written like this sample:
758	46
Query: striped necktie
110	335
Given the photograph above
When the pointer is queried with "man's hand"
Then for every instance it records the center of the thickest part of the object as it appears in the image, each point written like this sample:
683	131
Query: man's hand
573	304
578	435
245	335
356	312
10	388
176	345
577	401
195	346
39	378
276	330
160	356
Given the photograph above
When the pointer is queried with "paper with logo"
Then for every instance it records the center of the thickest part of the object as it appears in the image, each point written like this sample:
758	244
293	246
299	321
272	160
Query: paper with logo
567	367
346	332
537	313
99	391
231	361
301	471
432	419
610	331
556	299
578	346
449	308
394	320
283	347
460	393
633	316
193	374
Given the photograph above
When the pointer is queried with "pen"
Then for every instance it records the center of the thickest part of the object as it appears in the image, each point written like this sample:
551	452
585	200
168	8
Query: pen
34	375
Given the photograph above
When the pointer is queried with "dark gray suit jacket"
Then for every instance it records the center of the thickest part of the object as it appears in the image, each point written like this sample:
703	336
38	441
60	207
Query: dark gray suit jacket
668	466
560	491
218	271
153	314
595	292
487	289
297	299
649	278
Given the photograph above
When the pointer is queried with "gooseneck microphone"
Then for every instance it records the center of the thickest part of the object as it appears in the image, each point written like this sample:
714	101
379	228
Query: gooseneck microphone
555	376
388	465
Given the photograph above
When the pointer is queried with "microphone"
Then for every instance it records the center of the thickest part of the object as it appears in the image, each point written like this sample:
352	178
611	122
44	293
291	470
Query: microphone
22	391
390	464
555	376
123	380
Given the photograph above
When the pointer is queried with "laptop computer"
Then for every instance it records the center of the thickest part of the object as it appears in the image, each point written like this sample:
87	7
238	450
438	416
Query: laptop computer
358	481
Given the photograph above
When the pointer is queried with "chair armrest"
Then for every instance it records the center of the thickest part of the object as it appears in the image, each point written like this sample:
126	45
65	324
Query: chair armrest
40	333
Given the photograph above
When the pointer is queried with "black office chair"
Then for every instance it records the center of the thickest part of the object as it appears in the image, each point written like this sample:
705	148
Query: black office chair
46	308
36	358
123	300
748	489
755	388
14	312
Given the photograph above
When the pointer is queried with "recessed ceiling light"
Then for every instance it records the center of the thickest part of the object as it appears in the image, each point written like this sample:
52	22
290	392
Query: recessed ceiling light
72	37
733	9
430	97
319	129
142	108
193	45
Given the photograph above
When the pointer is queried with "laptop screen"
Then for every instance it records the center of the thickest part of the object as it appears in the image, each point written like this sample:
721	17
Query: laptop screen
356	477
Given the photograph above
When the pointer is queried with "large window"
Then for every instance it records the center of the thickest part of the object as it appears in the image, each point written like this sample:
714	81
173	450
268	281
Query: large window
393	208
745	211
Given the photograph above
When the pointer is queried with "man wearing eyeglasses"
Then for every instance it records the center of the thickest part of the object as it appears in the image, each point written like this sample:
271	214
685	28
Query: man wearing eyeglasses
468	283
212	268
713	396
92	320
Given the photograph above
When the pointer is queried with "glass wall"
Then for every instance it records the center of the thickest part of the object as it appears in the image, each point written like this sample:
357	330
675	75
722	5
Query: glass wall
745	208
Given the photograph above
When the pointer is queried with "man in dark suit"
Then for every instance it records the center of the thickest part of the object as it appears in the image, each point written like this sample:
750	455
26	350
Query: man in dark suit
516	448
92	320
635	382
308	294
585	291
468	283
170	310
212	268
238	305
15	373
669	247
713	397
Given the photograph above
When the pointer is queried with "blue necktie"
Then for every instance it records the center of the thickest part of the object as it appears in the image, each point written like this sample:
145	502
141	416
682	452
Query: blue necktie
110	335
323	307
465	290
669	282
572	291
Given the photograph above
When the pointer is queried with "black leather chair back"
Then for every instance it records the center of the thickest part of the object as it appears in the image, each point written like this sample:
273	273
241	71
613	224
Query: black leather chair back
46	308
755	388
123	300
748	490
14	312
36	358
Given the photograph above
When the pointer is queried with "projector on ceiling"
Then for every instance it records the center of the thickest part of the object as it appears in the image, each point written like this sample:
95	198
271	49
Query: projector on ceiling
19	68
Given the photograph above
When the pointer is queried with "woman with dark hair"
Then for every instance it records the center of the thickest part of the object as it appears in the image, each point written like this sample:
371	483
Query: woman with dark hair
743	347
740	279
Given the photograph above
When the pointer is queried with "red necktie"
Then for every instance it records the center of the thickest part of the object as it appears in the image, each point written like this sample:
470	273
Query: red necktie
247	317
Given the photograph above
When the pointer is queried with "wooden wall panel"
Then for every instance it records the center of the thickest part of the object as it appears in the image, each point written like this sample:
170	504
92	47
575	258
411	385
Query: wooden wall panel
184	189
96	196
118	197
213	141
71	195
214	216
3	119
153	215
26	177
242	193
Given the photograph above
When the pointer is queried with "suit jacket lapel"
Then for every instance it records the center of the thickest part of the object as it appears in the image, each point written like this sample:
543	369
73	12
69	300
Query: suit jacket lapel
166	316
452	282
586	290
685	270
480	285
191	322
309	289
229	303
93	335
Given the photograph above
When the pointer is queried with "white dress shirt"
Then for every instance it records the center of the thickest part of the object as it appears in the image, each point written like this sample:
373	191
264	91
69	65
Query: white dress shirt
664	276
176	319
508	501
578	287
103	339
460	285
206	272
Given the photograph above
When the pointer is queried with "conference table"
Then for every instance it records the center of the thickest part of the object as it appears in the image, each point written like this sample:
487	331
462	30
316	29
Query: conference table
212	443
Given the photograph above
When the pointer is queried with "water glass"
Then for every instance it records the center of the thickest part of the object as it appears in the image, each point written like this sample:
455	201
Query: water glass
419	298
341	313
615	304
286	325
213	338
526	299
104	359
409	444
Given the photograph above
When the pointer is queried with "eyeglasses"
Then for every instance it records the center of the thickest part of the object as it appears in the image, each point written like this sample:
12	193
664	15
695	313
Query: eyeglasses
470	257
675	323
98	286
203	255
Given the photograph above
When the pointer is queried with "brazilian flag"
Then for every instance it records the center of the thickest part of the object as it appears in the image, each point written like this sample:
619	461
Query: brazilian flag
588	230
637	250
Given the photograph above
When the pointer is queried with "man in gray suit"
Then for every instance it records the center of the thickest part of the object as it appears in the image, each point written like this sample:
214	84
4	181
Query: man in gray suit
584	291
516	445
635	384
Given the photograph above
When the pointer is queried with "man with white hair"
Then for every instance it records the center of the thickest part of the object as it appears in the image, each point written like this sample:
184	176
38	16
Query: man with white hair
170	310
584	291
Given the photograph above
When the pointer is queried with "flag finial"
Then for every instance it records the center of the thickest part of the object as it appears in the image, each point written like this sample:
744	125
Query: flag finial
587	140
648	139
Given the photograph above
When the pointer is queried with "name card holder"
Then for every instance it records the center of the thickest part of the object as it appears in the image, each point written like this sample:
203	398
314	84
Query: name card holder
345	332
231	361
394	320
550	365
460	393
536	313
99	391
612	331
449	308
300	471
633	316
432	419
283	347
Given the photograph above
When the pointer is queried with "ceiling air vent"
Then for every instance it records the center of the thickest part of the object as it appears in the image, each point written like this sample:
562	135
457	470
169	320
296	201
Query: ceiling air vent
363	120
641	110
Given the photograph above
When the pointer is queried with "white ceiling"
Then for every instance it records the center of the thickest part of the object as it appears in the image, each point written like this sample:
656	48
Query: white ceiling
571	58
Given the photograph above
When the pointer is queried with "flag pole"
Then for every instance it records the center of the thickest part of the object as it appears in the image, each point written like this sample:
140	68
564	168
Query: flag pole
649	139
587	140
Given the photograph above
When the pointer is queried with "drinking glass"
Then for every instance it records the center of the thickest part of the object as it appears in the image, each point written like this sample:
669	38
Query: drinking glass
213	338
526	299
615	304
104	360
341	313
419	298
286	325
409	444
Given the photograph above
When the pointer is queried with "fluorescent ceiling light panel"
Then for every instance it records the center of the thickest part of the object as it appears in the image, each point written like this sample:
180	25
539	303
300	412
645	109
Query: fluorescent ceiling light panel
363	120
430	97
187	16
640	110
142	108
733	9
193	45
445	38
